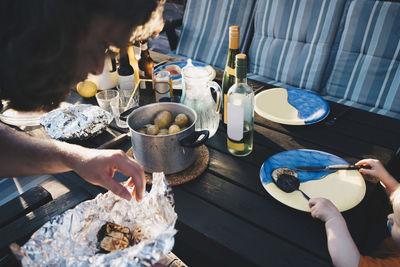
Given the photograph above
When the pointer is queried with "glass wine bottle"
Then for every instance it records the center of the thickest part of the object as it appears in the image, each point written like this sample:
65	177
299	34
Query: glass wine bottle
240	111
126	78
229	74
146	65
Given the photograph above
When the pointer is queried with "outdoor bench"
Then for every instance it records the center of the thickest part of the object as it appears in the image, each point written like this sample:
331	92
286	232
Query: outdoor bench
348	51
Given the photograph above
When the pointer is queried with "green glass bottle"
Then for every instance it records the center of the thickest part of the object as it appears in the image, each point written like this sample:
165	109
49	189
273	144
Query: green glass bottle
229	74
240	110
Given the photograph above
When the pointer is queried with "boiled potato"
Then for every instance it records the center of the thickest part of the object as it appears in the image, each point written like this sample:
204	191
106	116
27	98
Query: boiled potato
144	129
163	132
163	119
174	129
153	130
181	120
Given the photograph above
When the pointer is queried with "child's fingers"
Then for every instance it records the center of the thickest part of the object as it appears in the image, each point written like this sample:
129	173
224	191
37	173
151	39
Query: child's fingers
312	202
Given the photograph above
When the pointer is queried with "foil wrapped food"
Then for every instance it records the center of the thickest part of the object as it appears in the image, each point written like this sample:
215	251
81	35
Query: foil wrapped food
80	121
70	239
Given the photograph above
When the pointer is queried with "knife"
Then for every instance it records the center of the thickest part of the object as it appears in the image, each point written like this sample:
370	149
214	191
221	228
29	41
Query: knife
331	167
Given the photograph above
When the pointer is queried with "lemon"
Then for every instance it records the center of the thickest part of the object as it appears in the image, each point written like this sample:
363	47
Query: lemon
87	88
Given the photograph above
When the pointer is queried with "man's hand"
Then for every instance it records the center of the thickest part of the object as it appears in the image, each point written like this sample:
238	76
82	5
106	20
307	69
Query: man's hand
98	167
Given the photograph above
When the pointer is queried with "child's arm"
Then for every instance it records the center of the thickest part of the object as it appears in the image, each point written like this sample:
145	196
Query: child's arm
341	246
378	171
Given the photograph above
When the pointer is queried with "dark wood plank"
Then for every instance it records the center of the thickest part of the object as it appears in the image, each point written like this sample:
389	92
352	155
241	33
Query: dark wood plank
23	227
235	171
7	258
196	250
23	204
344	137
325	140
370	119
237	235
74	182
268	142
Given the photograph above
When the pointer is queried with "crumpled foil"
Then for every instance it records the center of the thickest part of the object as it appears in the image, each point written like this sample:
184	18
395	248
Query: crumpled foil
70	239
80	121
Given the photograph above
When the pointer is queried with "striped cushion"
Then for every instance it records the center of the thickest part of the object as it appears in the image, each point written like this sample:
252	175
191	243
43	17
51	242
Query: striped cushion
205	30
293	39
366	70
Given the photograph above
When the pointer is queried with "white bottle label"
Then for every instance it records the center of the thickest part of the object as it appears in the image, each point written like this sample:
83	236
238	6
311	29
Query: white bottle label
235	122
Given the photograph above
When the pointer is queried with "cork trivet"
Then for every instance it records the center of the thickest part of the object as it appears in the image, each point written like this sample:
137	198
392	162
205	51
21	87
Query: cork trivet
193	171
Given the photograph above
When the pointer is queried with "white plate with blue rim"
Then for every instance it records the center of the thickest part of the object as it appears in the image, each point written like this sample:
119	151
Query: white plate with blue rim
291	106
175	70
345	188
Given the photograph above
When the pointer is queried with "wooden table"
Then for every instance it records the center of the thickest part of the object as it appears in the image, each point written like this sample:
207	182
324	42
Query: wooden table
225	217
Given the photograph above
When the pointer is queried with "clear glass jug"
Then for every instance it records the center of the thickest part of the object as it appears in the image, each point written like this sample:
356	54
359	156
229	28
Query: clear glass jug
197	95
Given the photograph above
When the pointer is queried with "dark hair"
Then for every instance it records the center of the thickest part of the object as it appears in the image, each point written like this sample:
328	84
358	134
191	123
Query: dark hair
38	48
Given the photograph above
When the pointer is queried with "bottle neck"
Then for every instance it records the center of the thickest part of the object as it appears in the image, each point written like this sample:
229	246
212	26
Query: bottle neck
233	43
144	46
241	80
125	69
241	71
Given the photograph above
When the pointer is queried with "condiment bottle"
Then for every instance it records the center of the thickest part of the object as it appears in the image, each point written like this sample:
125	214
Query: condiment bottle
240	112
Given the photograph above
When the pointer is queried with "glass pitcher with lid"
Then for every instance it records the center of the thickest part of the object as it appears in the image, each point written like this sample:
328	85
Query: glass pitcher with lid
197	83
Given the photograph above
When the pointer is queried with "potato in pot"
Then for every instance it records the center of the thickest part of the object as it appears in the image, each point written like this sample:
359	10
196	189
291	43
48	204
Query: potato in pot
163	119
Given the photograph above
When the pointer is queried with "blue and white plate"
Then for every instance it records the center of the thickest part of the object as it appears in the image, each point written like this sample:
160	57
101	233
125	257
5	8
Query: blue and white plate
345	188
291	106
178	66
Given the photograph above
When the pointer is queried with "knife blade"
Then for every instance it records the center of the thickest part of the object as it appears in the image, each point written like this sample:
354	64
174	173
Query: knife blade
331	167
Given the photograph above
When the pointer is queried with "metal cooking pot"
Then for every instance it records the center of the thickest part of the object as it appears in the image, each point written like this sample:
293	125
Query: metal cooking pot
165	153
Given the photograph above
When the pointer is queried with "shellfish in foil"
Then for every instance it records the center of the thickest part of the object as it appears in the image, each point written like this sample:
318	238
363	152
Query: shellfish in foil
146	229
80	121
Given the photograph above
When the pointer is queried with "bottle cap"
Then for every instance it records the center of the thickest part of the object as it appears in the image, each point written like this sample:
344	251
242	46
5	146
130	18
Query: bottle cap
234	37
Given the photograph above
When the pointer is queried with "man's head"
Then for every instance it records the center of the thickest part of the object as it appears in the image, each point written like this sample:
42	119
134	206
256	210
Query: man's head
394	218
50	45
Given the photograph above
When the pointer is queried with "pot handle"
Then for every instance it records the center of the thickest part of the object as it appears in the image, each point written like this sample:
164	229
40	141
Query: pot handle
124	115
193	139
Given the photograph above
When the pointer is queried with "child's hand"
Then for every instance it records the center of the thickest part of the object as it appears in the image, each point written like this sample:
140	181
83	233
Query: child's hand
377	170
323	209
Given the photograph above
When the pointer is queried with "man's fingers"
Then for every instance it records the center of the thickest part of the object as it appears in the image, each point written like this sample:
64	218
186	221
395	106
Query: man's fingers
130	167
117	189
134	193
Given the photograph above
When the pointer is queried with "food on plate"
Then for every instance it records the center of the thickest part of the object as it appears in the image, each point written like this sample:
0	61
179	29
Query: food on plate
153	130
163	119
174	129
284	178
181	120
112	236
173	70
